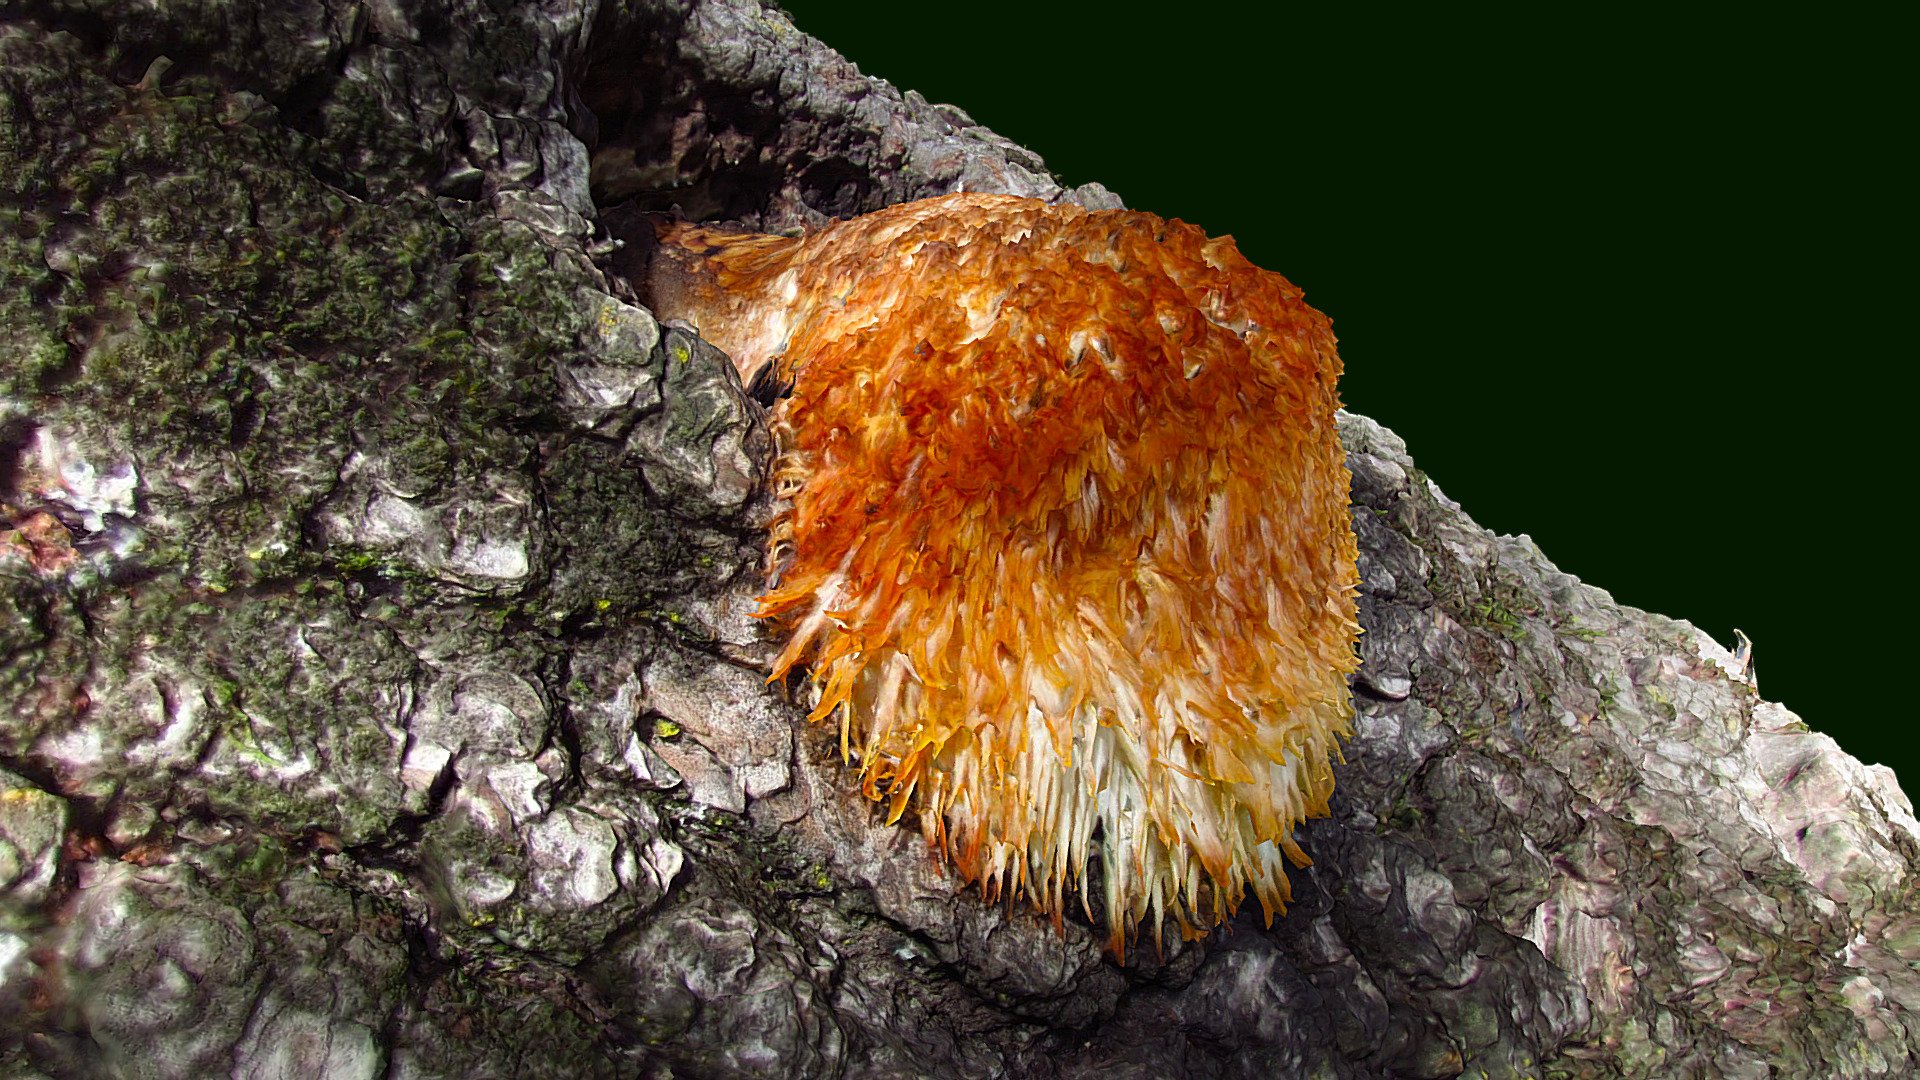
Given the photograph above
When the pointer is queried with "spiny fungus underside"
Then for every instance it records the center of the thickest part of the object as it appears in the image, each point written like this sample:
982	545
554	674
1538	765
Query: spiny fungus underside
1064	540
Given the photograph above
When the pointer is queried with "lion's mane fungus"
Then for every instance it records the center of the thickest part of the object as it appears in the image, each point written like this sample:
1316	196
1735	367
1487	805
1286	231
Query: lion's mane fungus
1064	542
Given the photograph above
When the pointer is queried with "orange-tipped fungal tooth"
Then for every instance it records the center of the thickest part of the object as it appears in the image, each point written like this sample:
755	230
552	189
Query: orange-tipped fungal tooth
1063	540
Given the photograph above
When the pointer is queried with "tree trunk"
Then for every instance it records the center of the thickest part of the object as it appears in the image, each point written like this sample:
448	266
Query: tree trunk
382	698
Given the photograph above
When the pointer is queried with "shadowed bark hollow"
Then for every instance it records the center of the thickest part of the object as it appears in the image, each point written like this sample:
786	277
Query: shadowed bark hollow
381	696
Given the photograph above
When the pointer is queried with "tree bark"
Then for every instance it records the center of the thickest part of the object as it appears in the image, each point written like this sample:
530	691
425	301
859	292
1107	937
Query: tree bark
382	697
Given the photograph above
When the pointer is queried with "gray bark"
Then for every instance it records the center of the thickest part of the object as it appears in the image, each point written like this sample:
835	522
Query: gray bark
381	698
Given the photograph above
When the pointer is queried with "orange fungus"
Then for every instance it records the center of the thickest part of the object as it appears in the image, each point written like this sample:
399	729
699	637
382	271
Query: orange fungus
1064	538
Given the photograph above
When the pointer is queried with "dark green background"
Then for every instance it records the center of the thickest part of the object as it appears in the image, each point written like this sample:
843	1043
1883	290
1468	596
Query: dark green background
1634	284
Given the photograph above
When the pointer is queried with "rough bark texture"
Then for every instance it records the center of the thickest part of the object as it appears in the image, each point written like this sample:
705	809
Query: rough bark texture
381	701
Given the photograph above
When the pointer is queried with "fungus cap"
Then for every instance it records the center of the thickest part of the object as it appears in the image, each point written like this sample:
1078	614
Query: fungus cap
1064	539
